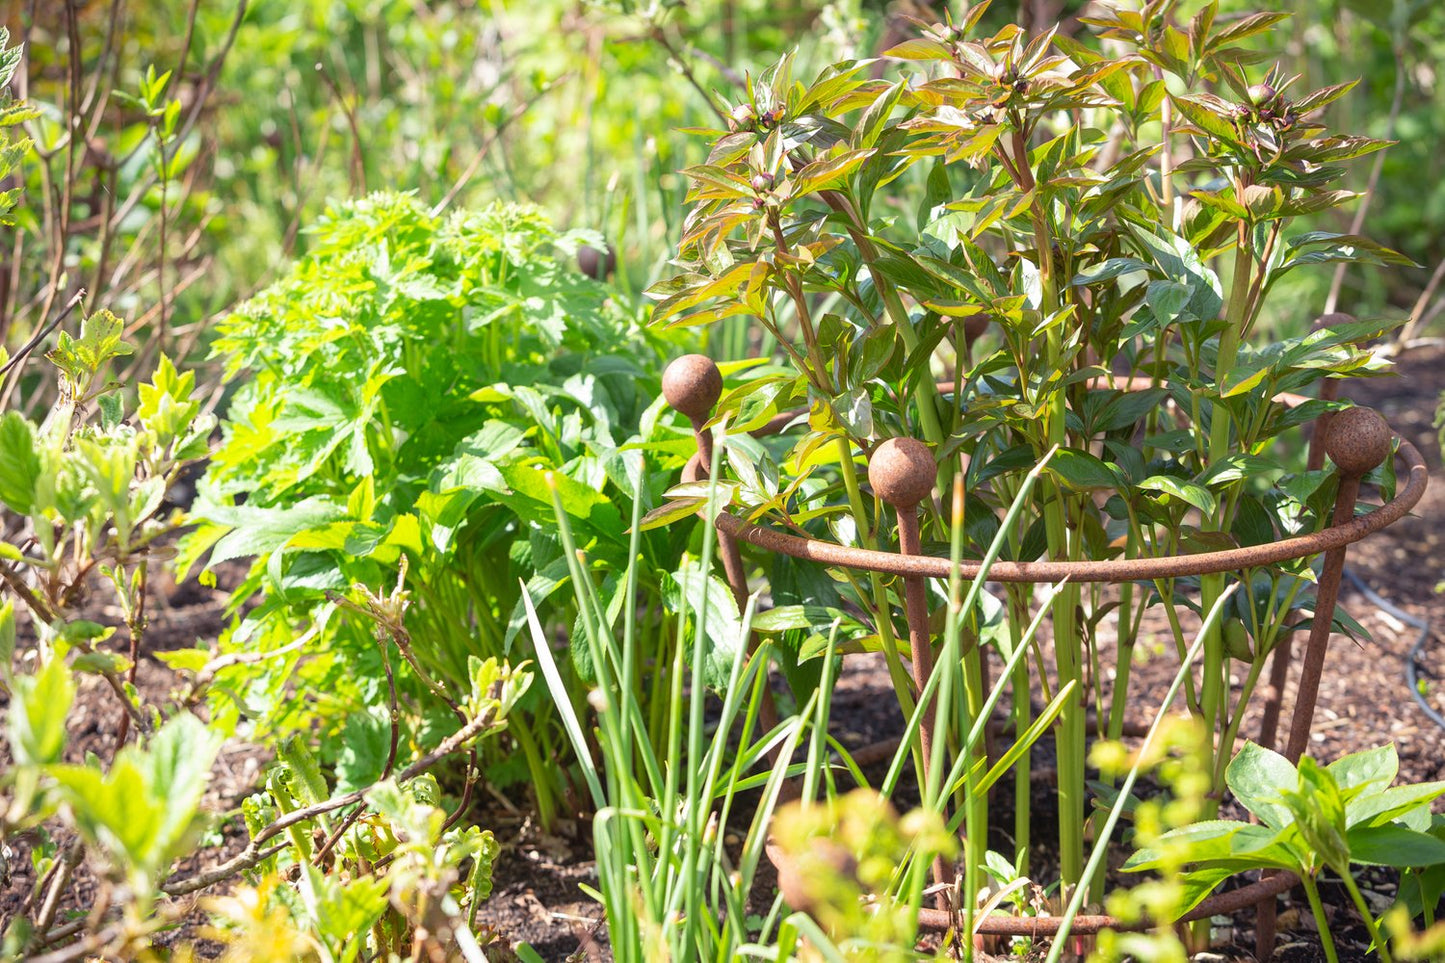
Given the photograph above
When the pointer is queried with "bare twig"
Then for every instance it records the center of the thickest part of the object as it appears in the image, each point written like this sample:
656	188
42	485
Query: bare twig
41	335
136	624
89	946
209	671
1418	313
132	710
67	863
254	853
476	162
1357	223
358	161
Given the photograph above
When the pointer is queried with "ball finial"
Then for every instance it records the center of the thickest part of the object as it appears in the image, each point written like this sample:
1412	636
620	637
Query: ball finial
1358	440
692	385
902	472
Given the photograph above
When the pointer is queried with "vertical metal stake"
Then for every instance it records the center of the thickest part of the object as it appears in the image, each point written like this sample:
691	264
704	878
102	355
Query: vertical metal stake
1357	440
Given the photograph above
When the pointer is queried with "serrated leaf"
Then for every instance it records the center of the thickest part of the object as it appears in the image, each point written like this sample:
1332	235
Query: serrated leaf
35	722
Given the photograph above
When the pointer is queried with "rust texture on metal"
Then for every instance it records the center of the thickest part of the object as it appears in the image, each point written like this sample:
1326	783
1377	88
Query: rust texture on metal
1357	440
1111	570
902	472
1221	904
692	385
1045	926
1365	433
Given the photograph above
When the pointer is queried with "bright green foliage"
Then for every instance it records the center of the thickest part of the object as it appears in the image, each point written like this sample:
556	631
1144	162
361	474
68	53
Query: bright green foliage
407	387
1315	817
395	869
1181	763
35	724
142	812
11	115
93	489
1310	818
836	854
1080	250
81	493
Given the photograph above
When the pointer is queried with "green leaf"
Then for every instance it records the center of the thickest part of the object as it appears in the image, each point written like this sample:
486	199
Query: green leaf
1204	840
1188	492
365	742
184	660
261	531
1205	112
1201	882
827	171
342	908
143	811
35	722
7	636
1257	776
1395	846
1109	270
669	512
100	340
1083	471
919	48
709	602
19	463
788	617
1361	769
1397	802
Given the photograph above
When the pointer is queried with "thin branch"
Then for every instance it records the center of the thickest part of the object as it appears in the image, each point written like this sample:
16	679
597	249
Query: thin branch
132	710
1357	223
38	606
1418	312
660	35
253	854
476	162
42	334
67	863
90	946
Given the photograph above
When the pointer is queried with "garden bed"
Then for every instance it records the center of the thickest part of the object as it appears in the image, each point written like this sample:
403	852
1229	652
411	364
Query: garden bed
1363	703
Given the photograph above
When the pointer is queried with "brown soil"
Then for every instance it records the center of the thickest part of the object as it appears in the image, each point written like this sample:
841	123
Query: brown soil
1363	702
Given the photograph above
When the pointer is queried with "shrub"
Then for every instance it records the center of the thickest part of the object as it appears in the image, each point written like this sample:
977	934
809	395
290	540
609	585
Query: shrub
404	387
1080	245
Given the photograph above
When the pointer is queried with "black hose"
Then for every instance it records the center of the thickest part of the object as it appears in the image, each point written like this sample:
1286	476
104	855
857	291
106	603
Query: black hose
1412	661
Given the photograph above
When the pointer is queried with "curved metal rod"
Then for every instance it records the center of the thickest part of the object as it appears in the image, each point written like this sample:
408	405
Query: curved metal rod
1111	570
1220	904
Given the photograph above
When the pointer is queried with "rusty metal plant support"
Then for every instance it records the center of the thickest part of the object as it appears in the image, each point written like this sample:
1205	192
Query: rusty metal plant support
902	471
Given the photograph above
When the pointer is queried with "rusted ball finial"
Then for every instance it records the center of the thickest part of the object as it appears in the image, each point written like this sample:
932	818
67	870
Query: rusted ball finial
902	472
1358	440
692	385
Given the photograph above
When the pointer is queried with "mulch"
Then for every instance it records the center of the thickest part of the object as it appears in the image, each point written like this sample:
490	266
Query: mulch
1363	702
